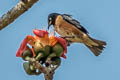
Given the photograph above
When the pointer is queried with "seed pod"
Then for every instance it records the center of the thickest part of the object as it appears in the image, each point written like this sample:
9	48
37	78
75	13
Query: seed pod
47	50
58	49
27	54
39	56
38	47
56	61
27	68
42	49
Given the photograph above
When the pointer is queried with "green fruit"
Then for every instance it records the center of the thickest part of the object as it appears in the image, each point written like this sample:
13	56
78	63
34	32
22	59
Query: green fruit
43	52
38	47
29	69
39	56
56	60
46	50
27	54
58	49
32	67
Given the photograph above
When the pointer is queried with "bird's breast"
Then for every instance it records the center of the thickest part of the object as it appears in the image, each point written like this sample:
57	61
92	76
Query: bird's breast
68	34
64	28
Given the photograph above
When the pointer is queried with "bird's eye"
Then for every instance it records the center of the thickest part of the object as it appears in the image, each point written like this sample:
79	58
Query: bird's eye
50	19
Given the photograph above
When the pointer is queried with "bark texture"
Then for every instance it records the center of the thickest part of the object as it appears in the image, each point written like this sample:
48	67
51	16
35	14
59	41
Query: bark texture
15	12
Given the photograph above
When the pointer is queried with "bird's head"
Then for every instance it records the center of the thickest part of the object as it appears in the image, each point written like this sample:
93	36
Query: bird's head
51	19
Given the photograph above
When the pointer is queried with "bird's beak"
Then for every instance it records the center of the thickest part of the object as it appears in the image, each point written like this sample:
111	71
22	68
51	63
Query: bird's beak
49	24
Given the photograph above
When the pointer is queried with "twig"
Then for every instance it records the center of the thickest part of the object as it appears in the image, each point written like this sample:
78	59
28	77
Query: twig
15	12
48	72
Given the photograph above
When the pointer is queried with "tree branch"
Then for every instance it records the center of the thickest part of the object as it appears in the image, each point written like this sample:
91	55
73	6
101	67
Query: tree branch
15	12
48	71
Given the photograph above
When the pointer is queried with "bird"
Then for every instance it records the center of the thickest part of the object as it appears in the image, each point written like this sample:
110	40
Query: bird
73	32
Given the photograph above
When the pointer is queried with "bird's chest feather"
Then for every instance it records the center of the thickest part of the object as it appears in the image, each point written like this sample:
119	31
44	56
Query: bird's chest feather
66	29
67	32
60	30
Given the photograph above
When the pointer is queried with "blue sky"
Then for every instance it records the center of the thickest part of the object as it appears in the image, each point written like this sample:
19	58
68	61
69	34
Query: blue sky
100	17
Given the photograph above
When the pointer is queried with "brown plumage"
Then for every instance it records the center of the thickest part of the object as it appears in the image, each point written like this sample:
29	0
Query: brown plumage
73	32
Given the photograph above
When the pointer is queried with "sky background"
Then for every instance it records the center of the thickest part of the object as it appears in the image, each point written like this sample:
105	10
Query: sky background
100	17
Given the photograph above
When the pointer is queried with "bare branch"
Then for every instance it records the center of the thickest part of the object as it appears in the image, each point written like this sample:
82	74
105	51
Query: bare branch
15	12
48	72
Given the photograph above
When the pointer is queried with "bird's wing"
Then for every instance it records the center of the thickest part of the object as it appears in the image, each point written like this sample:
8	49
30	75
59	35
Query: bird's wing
74	22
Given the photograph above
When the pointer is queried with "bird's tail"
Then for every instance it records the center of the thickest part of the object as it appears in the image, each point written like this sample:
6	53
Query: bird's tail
96	49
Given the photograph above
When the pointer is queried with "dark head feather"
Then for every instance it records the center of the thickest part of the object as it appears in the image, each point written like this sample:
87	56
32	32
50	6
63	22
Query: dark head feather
53	17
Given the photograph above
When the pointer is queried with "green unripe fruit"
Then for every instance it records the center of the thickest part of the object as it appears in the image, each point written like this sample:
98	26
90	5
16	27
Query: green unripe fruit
27	54
56	60
39	56
38	47
29	69
43	52
46	50
58	49
32	67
